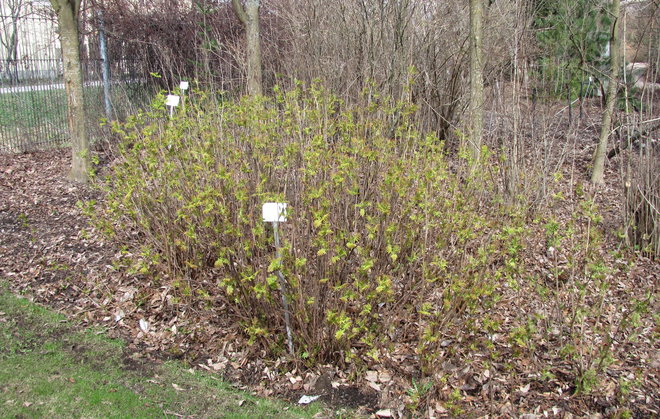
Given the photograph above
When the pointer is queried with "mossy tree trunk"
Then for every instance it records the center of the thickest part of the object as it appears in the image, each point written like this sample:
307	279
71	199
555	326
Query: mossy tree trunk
476	78
598	173
249	16
68	12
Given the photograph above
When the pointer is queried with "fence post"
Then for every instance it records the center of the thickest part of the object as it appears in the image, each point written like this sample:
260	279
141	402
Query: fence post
105	66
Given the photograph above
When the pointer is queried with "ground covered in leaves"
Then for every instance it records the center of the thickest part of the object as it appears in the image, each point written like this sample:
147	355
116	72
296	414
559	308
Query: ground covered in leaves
50	253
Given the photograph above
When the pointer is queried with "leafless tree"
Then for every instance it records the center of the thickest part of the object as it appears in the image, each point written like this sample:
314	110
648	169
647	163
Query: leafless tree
476	78
10	15
249	16
68	13
597	175
405	49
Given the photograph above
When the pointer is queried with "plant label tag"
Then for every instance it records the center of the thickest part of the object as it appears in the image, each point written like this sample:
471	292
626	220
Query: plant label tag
184	85
274	212
172	100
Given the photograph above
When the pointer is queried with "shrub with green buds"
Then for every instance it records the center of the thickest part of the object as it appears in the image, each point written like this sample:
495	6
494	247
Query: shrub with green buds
383	239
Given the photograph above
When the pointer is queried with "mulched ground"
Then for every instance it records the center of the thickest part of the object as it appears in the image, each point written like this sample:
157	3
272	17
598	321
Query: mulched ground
49	252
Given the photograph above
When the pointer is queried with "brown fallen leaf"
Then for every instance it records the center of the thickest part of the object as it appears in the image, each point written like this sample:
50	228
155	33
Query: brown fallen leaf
371	376
384	377
374	386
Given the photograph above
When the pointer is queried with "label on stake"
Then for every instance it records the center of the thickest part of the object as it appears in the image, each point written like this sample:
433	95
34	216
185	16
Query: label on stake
184	85
274	212
172	100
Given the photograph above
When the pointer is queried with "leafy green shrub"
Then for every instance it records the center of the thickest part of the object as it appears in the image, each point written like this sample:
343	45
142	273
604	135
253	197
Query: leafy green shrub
384	241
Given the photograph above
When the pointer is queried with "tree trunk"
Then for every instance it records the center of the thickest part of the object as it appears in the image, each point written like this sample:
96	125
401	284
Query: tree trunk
67	17
476	79
249	16
12	53
597	176
9	38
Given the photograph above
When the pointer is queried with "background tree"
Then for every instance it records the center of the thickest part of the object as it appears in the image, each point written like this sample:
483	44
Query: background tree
249	16
409	49
572	36
597	176
476	77
68	12
10	14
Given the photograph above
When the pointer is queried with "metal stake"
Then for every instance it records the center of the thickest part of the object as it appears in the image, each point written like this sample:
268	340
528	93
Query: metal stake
105	66
285	302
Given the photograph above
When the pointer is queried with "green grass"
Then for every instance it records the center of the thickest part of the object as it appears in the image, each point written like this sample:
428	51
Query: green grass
33	108
35	119
32	119
50	368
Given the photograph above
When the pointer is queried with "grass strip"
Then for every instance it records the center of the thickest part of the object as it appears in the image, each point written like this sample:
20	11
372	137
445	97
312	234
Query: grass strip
50	367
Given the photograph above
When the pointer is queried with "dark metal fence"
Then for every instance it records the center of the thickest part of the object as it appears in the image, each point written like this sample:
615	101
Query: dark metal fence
32	97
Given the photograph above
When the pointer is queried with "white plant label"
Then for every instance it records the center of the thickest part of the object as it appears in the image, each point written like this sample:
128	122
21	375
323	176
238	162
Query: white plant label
274	212
184	85
307	399
172	100
144	325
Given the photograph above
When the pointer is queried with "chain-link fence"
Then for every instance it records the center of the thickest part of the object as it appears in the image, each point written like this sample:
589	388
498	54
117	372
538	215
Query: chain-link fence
32	97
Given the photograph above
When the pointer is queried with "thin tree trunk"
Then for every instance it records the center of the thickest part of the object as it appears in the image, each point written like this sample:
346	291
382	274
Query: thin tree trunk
67	17
12	54
249	16
597	176
9	38
476	78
